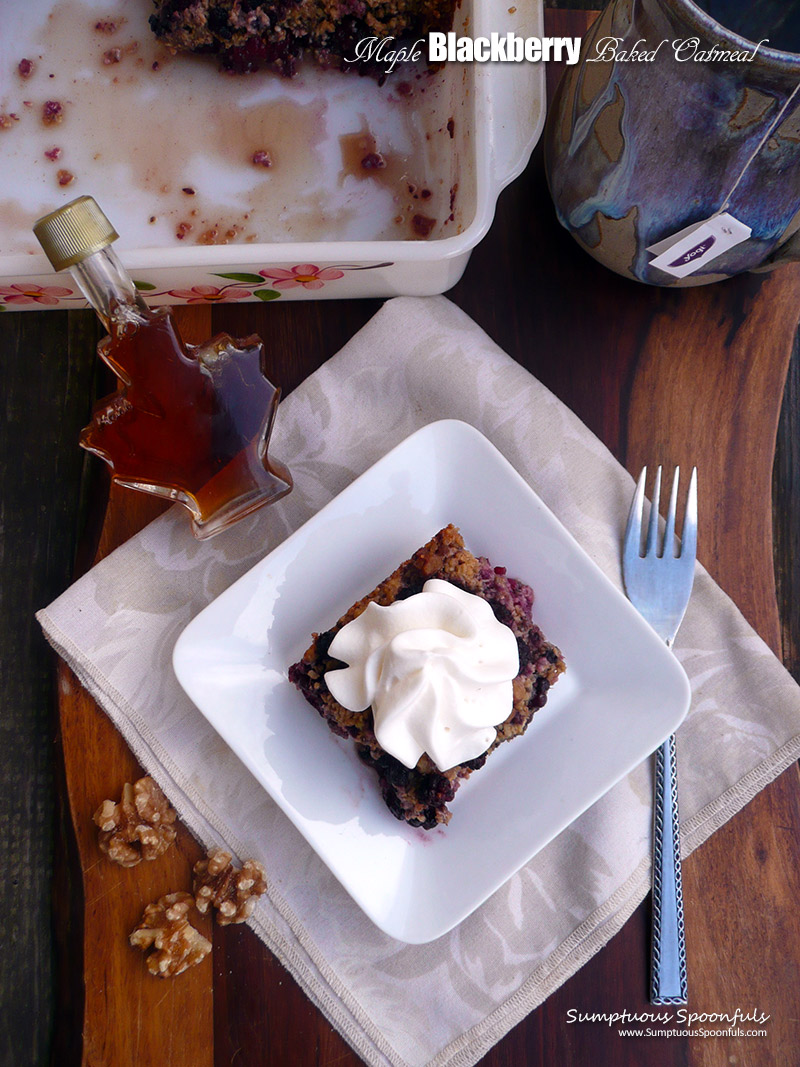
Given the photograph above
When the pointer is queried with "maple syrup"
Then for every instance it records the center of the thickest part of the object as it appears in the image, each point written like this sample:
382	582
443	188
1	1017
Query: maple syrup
187	422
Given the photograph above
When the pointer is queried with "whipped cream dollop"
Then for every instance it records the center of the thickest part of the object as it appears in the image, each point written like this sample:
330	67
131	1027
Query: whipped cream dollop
437	668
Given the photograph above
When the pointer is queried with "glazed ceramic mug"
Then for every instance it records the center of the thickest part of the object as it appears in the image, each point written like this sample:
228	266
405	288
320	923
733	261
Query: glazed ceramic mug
682	113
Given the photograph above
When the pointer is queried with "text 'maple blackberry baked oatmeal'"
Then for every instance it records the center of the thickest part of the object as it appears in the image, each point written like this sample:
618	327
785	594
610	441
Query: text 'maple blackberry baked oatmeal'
431	671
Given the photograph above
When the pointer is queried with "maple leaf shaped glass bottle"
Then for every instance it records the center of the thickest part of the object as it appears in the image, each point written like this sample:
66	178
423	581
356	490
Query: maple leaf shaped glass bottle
188	423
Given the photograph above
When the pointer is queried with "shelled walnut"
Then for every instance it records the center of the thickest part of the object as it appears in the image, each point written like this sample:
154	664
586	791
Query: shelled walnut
230	890
173	942
140	827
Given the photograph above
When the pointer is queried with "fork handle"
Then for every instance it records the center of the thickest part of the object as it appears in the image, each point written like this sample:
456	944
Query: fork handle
668	950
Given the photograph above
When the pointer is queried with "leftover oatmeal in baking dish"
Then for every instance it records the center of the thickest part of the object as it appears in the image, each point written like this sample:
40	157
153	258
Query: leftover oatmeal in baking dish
277	33
416	782
188	155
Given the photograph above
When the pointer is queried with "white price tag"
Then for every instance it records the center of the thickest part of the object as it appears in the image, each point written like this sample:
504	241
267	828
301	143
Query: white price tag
687	251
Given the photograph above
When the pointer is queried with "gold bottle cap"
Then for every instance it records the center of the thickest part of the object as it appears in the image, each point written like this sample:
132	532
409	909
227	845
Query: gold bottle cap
73	232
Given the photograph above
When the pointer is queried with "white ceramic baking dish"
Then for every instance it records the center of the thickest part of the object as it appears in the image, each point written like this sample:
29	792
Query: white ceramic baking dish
498	111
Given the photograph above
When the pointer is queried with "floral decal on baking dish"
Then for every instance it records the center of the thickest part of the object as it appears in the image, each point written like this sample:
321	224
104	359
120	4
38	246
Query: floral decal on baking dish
210	294
300	276
18	295
306	274
269	284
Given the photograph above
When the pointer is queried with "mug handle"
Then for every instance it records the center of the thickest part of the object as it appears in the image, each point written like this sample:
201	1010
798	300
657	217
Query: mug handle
788	252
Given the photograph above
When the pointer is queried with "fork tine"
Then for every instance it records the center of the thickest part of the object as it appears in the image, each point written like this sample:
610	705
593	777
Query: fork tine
633	531
669	532
689	536
652	529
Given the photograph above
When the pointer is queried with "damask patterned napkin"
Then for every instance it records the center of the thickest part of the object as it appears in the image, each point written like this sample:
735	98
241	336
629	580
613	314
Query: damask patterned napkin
417	361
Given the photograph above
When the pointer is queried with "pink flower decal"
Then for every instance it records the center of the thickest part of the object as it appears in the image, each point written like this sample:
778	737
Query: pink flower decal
306	274
32	294
205	294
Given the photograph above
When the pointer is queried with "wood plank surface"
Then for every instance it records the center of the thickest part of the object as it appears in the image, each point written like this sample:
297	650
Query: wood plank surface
41	396
690	376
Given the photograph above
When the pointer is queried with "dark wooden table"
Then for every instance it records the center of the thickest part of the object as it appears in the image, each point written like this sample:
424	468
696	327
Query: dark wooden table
709	376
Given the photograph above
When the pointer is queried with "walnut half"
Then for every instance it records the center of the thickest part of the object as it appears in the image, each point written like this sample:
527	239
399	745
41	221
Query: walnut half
173	942
232	892
140	827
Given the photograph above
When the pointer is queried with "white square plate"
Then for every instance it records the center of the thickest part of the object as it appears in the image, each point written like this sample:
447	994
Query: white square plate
618	700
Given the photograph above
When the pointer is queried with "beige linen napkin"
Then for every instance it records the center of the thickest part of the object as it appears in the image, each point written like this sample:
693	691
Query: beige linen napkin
417	361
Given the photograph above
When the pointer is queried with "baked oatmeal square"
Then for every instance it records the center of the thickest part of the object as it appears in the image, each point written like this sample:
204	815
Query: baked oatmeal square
419	795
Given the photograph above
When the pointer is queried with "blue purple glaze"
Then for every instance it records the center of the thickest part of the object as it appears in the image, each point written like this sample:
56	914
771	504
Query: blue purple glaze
637	150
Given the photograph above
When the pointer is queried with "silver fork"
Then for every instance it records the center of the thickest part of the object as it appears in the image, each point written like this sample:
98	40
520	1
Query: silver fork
659	586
